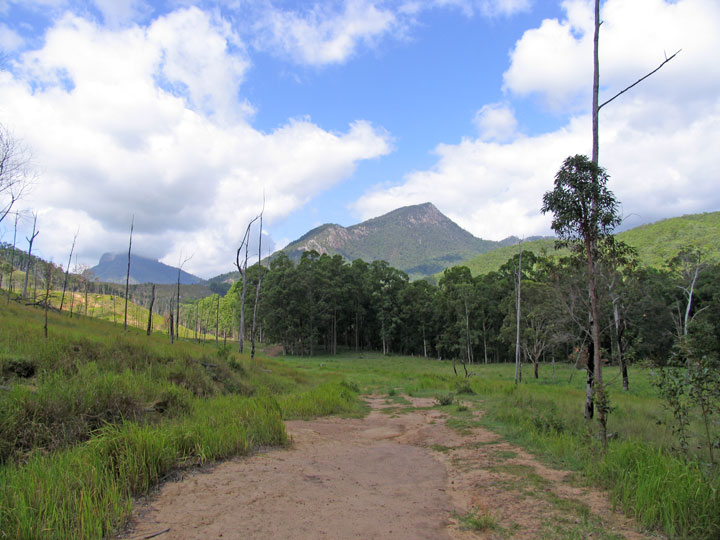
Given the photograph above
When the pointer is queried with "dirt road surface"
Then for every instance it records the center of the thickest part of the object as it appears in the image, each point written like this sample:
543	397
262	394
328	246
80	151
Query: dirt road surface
401	473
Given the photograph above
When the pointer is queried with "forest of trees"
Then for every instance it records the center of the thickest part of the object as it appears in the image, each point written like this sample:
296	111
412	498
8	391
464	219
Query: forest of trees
322	304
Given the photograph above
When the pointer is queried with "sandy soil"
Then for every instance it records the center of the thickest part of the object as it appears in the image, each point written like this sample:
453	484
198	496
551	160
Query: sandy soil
400	473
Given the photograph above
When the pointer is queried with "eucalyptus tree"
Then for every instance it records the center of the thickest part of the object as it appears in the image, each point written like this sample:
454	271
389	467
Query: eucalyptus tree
585	212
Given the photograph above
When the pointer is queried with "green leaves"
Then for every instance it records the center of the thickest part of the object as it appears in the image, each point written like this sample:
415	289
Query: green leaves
583	208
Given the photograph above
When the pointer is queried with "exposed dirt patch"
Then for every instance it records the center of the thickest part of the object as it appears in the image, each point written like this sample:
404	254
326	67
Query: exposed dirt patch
401	473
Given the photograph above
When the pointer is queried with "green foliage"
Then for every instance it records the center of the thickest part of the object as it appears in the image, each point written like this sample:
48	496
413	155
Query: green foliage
445	399
583	209
476	520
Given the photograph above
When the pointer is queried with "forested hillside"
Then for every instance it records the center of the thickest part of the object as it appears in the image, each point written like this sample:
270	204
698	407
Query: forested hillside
417	239
655	243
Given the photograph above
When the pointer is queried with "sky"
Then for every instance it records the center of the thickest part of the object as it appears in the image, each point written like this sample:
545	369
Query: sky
187	116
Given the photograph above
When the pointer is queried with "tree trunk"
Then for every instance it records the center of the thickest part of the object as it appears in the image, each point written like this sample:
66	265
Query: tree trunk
619	346
518	369
152	301
127	276
30	243
12	261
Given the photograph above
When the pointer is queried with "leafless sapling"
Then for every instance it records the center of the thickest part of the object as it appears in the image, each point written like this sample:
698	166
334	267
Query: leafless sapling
127	276
30	263
67	272
242	269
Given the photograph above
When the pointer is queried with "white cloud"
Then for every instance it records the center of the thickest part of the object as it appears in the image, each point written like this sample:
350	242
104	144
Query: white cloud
657	141
142	121
496	121
323	35
554	61
9	39
119	12
486	8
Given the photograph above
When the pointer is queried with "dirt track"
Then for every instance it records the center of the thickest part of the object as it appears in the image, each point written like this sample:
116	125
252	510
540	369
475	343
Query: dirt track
400	473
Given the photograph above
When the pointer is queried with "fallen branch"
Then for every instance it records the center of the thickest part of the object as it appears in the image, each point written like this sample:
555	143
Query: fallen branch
156	534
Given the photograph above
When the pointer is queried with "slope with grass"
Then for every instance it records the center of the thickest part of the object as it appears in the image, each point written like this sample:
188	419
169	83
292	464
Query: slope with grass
94	415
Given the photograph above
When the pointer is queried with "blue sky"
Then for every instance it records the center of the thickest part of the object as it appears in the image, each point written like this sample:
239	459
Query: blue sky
186	113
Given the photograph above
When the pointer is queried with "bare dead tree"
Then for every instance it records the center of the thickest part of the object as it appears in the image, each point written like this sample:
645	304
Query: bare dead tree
30	240
242	268
67	271
12	261
177	307
259	285
170	323
127	276
15	177
48	282
152	301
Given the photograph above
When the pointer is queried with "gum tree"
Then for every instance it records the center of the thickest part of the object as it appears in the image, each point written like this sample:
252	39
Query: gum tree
584	213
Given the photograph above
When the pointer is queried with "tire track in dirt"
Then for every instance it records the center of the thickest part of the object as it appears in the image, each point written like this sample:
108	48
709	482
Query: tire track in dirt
400	473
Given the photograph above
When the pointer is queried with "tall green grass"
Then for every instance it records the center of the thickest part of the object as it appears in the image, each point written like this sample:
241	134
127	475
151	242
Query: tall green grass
93	416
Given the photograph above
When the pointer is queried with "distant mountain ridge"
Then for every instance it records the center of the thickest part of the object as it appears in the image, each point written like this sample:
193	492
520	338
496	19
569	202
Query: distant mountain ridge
656	243
112	268
418	239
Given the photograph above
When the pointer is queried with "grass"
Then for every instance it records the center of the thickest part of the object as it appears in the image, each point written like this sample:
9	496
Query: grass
477	520
644	474
93	416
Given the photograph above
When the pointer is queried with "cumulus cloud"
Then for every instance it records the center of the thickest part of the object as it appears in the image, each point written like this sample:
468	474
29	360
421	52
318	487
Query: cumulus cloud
654	141
142	121
496	121
554	61
120	12
9	39
324	34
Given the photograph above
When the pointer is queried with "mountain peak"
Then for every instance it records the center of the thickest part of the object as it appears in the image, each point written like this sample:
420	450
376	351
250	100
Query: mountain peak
112	268
418	239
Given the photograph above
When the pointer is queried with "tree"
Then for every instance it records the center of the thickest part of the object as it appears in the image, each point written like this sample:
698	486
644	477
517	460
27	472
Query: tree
127	277
584	212
67	273
30	240
15	177
242	268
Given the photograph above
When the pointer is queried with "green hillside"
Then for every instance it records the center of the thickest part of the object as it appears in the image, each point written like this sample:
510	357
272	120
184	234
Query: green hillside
656	243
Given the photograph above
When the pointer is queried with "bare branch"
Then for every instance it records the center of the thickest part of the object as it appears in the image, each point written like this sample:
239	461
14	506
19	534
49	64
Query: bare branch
15	177
640	80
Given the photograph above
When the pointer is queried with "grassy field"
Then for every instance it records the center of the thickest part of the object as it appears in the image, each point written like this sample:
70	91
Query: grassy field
647	478
92	416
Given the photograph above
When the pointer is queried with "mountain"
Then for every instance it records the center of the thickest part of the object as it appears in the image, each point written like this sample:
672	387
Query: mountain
655	243
112	268
417	239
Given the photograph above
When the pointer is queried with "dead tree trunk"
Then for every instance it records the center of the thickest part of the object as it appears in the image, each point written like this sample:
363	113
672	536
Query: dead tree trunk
67	271
152	301
12	260
48	281
30	263
257	289
127	276
242	269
